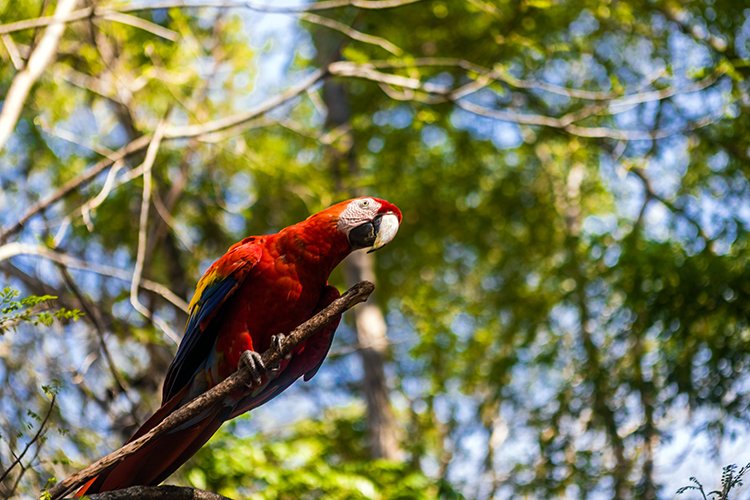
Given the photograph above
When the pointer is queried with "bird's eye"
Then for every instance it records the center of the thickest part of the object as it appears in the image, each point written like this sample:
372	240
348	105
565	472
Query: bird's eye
364	203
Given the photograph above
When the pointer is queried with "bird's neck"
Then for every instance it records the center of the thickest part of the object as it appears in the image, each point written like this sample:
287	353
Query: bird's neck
316	243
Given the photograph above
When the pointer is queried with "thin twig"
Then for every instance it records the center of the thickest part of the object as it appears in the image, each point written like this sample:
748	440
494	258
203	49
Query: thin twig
188	131
239	380
171	133
98	12
72	138
353	34
148	162
92	313
84	178
651	194
14	249
37	435
13	53
140	23
171	223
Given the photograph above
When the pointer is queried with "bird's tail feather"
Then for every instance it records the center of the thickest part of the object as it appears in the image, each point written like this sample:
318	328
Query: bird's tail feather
158	459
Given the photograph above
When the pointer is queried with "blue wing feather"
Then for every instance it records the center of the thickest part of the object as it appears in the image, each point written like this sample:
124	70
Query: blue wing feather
214	288
212	297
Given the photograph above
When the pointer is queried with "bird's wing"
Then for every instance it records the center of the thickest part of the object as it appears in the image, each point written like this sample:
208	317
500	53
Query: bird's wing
217	284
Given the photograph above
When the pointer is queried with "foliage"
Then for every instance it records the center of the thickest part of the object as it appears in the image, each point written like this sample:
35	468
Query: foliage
321	458
568	296
731	478
33	309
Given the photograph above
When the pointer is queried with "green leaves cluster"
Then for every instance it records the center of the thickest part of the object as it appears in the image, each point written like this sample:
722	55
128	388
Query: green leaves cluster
559	304
320	458
33	309
731	479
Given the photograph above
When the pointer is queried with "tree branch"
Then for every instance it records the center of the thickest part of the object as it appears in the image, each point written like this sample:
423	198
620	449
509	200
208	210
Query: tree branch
148	162
104	12
39	432
347	30
13	249
239	380
38	61
170	133
568	123
436	93
165	492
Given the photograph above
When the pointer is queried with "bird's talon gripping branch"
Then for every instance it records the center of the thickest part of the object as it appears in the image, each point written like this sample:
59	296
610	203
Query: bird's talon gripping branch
254	363
276	343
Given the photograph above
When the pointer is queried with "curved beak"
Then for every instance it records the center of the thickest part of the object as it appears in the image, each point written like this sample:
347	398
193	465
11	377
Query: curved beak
376	233
386	227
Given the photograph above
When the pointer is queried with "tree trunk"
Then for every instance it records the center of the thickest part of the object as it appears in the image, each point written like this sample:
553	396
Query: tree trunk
373	344
369	321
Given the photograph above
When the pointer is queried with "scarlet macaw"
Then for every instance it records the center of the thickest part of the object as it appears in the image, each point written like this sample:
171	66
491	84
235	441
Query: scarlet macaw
263	286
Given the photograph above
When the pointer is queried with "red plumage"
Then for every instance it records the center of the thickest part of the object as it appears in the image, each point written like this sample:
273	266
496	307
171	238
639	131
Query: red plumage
262	286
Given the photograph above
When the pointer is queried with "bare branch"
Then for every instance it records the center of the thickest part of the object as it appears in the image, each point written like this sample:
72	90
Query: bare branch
171	223
187	131
353	34
94	316
486	76
142	24
13	249
170	133
37	435
98	12
25	79
13	53
72	138
369	72
81	180
239	380
566	122
651	194
148	162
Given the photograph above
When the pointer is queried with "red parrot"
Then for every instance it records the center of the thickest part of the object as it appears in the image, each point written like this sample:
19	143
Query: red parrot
262	286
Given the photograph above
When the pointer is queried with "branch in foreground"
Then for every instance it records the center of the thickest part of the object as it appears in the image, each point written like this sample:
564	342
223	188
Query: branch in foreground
240	379
166	492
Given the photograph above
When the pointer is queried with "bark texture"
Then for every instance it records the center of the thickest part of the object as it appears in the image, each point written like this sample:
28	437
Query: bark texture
373	346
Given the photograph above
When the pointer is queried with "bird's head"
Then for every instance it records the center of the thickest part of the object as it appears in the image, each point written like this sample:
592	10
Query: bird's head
368	222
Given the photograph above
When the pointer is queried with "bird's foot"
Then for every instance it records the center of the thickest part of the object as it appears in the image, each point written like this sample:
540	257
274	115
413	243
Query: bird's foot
276	342
254	363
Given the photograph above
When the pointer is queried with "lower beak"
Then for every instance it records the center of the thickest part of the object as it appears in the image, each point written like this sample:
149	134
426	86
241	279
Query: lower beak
385	231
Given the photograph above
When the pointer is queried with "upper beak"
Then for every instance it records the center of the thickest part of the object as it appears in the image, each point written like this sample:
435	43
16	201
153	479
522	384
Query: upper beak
386	227
376	233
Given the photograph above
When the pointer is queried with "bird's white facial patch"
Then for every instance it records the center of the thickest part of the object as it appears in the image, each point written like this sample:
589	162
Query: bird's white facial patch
357	212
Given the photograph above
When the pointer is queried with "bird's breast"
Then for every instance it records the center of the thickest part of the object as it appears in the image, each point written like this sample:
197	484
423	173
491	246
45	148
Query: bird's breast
270	302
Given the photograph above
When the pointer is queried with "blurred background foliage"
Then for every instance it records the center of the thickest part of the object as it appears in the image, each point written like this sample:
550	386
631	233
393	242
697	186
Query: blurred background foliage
567	301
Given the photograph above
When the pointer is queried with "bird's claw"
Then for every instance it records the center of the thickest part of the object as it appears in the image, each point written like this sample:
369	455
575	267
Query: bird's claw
254	363
276	342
